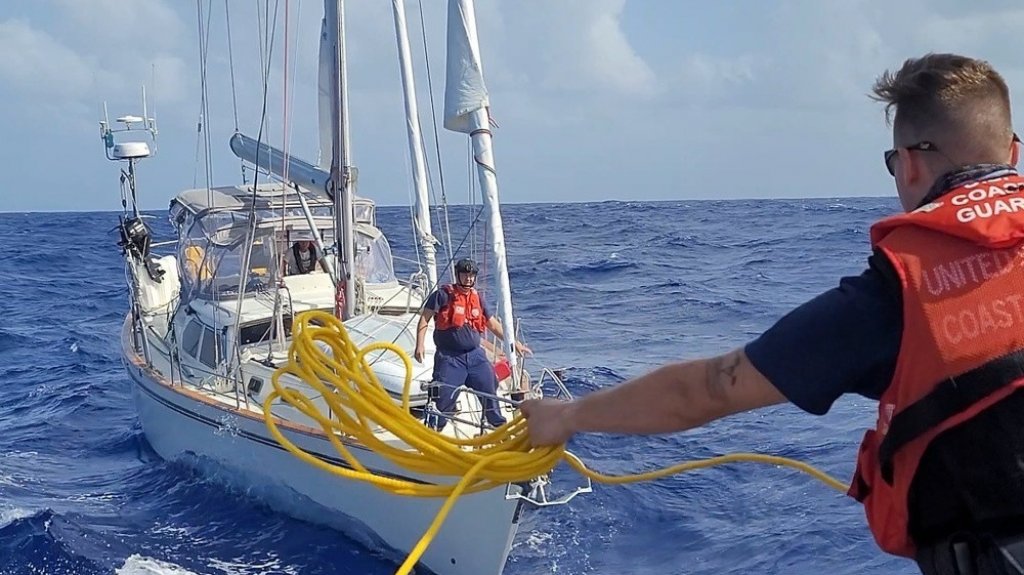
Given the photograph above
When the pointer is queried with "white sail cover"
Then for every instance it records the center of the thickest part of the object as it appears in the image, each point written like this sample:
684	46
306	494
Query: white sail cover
424	234
464	91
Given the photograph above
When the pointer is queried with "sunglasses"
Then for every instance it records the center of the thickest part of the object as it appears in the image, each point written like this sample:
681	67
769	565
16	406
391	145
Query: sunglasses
924	146
890	155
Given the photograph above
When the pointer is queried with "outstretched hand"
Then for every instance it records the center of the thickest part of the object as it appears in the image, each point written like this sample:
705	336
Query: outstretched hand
548	421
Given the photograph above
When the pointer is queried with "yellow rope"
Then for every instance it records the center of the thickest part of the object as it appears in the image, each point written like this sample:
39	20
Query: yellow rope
359	406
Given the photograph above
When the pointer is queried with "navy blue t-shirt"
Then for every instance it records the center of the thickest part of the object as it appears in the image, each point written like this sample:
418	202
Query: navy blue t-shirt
845	340
456	340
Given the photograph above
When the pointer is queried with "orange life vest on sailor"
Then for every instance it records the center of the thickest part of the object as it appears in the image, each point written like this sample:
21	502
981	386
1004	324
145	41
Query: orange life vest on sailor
463	308
959	263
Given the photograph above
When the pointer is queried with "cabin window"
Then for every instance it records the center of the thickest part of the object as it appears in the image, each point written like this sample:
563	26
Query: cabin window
261	331
210	352
190	339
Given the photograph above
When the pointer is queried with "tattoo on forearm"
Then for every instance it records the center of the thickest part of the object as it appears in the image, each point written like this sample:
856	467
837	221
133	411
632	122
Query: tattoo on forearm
722	374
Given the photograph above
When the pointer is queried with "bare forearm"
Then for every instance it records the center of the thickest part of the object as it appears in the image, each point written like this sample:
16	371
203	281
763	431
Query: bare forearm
421	331
652	403
675	397
494	326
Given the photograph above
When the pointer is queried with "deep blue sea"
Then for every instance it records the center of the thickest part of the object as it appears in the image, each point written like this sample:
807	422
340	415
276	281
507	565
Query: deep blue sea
606	290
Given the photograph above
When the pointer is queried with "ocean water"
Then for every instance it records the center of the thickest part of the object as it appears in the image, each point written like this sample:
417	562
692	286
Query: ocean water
606	290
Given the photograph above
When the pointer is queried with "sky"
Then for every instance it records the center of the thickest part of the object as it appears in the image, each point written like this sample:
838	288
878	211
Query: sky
595	99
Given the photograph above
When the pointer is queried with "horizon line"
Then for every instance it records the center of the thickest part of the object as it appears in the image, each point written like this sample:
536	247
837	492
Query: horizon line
608	201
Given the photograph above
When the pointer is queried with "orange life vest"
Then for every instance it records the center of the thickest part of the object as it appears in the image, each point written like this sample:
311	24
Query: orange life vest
959	261
463	308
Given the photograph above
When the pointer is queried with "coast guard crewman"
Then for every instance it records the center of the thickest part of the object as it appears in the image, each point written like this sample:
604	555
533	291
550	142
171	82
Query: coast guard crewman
933	329
459	359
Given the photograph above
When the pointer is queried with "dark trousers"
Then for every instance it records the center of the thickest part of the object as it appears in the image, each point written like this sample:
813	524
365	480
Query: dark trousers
471	369
974	554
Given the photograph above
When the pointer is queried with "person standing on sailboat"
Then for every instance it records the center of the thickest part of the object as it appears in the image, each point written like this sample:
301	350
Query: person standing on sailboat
933	329
461	316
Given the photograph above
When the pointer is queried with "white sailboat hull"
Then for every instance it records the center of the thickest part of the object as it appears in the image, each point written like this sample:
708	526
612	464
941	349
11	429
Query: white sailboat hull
180	423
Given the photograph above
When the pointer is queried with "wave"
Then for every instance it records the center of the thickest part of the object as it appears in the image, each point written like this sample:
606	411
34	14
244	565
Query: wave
46	538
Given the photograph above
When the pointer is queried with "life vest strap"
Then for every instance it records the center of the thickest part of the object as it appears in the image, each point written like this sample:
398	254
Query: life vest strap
952	396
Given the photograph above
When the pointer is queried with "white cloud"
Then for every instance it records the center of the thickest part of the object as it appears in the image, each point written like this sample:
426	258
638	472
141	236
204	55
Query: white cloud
607	59
170	79
74	72
43	67
570	46
820	55
978	34
138	25
707	79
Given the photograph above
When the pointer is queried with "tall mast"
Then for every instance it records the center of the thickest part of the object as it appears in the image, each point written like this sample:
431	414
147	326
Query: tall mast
341	166
412	122
466	104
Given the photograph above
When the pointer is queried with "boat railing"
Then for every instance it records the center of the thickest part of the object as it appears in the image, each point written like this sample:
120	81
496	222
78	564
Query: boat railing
537	491
417	280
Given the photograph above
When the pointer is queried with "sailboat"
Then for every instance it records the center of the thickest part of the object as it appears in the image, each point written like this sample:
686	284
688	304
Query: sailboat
210	322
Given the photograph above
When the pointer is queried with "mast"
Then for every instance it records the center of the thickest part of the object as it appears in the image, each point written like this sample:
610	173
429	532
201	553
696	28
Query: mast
340	185
412	121
465	105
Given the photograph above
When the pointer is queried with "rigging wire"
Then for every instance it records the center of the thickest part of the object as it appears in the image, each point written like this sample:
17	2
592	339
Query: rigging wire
231	69
278	311
443	205
204	123
266	44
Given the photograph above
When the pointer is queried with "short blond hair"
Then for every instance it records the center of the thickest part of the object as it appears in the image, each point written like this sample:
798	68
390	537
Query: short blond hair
960	102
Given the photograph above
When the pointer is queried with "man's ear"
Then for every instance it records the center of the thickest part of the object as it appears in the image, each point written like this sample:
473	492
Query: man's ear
911	168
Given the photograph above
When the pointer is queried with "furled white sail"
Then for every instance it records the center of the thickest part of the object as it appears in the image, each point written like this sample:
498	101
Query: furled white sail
419	163
465	91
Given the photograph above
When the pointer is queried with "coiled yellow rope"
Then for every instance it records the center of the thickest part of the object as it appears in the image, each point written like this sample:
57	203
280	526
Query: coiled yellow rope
359	406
